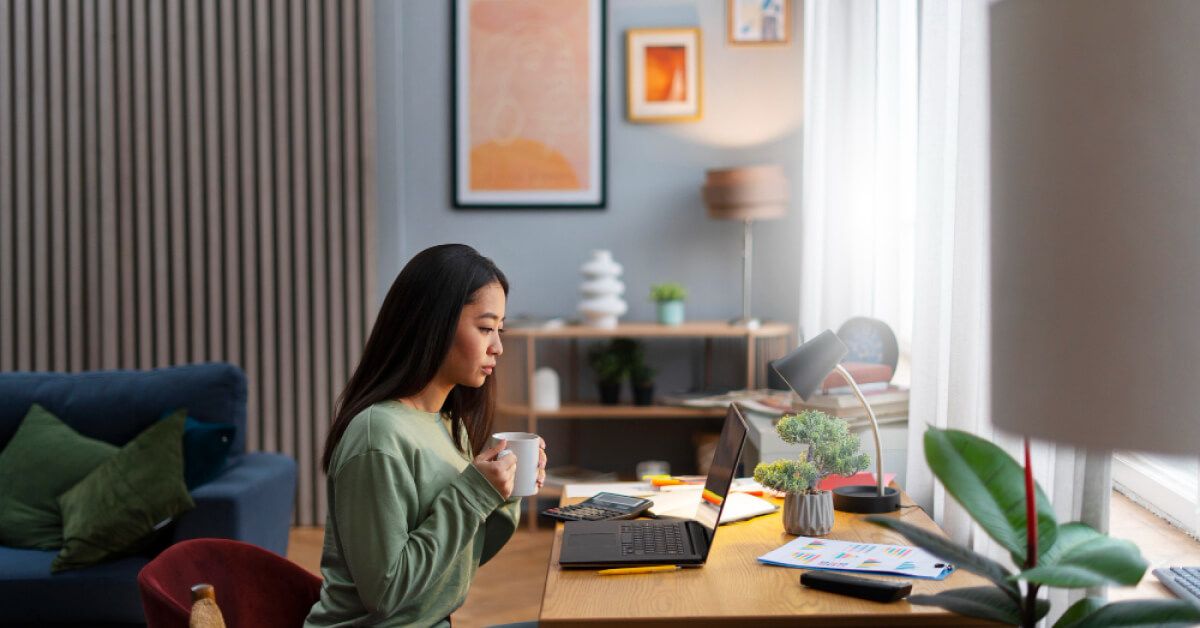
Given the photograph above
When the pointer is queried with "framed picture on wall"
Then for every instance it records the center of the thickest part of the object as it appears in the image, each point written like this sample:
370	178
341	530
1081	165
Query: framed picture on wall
663	74
758	22
529	104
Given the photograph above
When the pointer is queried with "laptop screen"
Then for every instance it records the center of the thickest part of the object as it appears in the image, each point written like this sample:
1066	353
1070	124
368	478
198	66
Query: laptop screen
720	472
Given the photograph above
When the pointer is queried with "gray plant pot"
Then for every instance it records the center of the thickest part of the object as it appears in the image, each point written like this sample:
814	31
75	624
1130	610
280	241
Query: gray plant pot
808	515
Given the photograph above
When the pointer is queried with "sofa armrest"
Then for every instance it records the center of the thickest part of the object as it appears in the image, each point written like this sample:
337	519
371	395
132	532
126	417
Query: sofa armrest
252	501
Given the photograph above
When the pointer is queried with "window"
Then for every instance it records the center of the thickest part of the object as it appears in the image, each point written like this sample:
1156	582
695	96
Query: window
1167	485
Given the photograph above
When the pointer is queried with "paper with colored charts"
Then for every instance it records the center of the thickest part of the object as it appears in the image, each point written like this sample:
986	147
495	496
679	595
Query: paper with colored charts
897	560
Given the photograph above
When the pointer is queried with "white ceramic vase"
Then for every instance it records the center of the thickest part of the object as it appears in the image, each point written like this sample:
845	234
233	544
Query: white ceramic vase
545	390
602	304
807	514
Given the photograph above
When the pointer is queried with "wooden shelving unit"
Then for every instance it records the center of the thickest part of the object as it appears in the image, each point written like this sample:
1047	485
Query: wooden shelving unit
515	377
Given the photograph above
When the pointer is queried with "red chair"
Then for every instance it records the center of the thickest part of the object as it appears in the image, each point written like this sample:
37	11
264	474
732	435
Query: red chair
254	587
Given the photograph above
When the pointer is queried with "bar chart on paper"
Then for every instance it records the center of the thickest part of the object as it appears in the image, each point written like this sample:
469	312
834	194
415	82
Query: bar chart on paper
809	553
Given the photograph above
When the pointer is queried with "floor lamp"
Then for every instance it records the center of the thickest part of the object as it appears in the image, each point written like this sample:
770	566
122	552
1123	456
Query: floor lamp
747	194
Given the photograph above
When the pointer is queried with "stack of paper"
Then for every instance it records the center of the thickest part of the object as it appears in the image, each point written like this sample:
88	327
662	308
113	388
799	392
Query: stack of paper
898	560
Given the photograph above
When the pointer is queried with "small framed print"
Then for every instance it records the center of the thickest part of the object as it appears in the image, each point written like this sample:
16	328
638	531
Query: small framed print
663	74
758	22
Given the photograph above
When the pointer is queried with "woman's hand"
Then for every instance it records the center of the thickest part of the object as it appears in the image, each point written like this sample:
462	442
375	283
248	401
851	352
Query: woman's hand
499	470
541	474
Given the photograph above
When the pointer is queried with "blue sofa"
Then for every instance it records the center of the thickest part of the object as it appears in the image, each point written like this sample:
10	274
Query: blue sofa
252	499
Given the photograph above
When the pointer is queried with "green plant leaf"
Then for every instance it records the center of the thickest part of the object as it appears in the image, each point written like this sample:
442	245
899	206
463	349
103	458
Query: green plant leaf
1138	613
961	557
789	476
990	485
1079	611
1082	557
980	602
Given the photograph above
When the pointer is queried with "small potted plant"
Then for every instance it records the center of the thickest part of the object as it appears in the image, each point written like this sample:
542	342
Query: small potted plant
610	371
669	299
641	377
832	450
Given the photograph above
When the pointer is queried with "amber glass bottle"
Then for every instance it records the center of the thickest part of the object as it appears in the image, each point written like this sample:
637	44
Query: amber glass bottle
205	613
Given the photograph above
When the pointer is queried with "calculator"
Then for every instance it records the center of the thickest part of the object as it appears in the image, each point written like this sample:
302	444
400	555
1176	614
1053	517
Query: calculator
601	507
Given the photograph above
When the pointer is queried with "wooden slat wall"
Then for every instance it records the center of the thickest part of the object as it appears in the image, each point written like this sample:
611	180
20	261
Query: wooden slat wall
192	180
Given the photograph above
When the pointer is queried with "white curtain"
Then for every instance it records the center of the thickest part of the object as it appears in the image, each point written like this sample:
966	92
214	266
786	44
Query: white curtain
896	225
859	172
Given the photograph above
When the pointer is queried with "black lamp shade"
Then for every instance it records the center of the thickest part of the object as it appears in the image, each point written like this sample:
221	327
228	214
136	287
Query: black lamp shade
806	366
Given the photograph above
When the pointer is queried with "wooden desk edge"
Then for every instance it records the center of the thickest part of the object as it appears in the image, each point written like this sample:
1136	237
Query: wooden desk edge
939	616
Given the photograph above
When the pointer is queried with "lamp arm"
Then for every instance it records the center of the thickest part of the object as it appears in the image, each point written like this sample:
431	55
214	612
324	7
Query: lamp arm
874	425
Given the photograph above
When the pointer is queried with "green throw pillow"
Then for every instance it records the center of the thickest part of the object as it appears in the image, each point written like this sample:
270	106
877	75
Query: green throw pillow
44	458
121	504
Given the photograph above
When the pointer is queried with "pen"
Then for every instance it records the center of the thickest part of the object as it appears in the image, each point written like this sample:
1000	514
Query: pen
629	570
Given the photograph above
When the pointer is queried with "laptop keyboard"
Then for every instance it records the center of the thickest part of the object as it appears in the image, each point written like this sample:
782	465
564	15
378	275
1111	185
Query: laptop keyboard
650	537
1183	581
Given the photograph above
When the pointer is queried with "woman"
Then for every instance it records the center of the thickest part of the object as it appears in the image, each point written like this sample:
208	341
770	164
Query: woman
412	513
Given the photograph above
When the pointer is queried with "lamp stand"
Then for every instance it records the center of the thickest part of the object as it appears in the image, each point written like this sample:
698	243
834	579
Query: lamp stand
747	254
866	499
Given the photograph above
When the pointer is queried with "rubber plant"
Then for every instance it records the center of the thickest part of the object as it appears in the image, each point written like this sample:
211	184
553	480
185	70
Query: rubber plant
1006	502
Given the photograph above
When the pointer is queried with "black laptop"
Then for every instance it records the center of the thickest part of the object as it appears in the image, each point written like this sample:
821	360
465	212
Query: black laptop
625	543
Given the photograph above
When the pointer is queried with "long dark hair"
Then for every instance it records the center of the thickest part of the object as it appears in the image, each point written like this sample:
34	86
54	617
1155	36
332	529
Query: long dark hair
411	337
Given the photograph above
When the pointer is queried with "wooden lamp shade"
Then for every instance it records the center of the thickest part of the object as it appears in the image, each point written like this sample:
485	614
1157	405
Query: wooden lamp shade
746	193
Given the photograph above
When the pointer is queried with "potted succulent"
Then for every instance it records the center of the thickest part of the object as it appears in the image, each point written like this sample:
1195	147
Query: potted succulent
669	299
1010	507
641	377
832	449
610	371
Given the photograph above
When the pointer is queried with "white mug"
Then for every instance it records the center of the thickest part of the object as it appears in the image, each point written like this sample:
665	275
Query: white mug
525	447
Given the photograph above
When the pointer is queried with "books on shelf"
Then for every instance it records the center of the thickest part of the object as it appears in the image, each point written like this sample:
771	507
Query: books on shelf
878	397
864	374
889	401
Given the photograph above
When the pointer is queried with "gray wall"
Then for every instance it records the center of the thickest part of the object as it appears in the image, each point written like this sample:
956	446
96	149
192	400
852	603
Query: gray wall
654	223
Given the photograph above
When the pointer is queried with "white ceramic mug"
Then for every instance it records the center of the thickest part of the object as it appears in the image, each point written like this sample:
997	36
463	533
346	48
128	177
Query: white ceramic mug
525	447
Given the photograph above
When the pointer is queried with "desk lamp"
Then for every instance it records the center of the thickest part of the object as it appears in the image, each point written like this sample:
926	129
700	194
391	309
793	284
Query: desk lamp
746	194
1095	222
803	370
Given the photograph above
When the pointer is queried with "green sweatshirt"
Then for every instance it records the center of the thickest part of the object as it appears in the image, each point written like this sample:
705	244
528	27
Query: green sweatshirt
410	521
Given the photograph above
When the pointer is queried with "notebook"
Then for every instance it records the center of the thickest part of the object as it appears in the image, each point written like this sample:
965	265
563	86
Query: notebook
683	504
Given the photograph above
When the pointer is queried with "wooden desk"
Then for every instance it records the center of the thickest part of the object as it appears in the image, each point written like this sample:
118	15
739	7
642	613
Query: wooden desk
733	588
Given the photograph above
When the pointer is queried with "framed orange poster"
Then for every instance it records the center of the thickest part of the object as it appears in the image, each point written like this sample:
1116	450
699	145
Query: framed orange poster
529	104
663	74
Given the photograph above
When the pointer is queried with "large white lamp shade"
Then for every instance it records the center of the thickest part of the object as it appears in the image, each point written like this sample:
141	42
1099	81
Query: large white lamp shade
1095	242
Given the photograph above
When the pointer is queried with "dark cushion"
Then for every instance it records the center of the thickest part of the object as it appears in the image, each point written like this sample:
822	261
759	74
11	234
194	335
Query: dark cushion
115	406
43	460
205	450
118	507
29	594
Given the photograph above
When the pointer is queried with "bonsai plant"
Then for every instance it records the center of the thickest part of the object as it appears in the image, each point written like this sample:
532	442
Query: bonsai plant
832	449
641	377
669	299
1011	508
610	370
